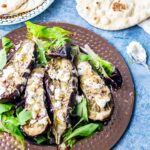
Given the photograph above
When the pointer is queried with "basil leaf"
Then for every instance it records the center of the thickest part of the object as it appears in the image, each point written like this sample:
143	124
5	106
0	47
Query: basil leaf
82	110
3	58
40	139
5	108
84	131
24	116
7	43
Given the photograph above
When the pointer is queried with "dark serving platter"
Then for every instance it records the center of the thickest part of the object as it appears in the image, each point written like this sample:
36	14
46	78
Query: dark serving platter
123	98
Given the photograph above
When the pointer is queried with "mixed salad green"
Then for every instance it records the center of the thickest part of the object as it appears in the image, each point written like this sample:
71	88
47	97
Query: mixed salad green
48	40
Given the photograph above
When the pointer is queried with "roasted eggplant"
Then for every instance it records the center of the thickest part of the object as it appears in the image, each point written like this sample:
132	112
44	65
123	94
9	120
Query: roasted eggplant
13	77
95	90
35	103
61	86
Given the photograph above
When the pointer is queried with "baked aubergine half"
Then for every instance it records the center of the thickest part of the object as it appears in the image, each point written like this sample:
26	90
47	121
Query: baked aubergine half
61	85
13	77
35	99
98	95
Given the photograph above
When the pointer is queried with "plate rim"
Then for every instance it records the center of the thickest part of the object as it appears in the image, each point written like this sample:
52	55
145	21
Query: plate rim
30	17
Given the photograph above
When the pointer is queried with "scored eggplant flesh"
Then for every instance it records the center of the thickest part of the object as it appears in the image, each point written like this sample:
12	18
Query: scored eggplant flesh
35	103
97	93
14	76
61	88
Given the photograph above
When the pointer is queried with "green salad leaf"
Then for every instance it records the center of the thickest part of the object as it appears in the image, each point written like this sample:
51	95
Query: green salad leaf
83	131
57	36
5	108
83	128
40	139
47	39
11	123
82	110
7	45
41	49
100	65
24	116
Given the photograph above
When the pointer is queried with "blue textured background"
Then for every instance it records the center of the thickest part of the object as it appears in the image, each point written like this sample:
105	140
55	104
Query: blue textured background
137	136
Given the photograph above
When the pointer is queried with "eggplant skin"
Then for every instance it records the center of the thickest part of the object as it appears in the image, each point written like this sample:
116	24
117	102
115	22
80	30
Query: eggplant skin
61	87
97	93
35	103
63	52
13	77
115	81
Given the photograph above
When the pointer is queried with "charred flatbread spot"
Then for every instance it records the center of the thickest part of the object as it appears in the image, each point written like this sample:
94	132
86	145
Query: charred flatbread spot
4	5
118	6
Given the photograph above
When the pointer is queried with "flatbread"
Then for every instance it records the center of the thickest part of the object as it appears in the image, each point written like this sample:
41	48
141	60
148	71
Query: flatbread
7	6
113	14
29	5
145	25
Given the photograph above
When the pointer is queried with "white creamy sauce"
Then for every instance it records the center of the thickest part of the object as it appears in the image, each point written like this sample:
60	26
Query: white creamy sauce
92	84
83	67
136	51
57	105
57	94
101	102
2	90
79	98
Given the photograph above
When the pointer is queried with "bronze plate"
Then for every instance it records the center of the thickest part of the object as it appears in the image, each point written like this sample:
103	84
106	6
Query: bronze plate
123	98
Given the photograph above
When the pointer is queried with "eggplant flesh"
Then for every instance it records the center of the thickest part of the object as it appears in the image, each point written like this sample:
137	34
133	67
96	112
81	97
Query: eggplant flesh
98	95
35	103
61	88
13	77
